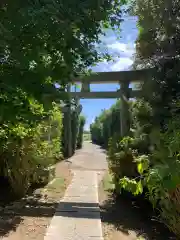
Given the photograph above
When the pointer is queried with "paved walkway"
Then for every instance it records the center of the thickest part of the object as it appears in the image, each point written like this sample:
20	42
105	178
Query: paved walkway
78	215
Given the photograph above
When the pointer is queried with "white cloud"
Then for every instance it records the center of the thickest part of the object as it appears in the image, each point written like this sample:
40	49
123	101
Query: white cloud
122	64
122	51
120	46
126	49
102	67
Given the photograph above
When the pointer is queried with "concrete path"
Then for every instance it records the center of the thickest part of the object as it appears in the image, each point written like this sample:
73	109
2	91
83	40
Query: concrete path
78	215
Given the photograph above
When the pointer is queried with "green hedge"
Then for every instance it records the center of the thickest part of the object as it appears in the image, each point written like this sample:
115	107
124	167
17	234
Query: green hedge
76	125
82	122
106	125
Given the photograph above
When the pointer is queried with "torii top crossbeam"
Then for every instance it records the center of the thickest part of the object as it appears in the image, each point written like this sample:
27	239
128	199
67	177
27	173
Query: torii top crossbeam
115	77
124	78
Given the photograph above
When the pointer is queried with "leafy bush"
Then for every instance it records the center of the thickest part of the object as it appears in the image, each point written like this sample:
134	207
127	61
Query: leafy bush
148	162
141	120
121	160
123	154
163	180
27	150
159	173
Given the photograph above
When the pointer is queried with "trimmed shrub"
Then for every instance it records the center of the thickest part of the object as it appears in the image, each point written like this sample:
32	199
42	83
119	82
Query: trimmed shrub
82	122
106	126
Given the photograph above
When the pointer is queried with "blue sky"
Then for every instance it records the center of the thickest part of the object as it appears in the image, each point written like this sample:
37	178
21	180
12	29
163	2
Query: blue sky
122	50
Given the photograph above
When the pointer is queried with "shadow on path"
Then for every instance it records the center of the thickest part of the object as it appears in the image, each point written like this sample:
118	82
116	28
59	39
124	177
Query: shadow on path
13	216
128	214
78	210
8	223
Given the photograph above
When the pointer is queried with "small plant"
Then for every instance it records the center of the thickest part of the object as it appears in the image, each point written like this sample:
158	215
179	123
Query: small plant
121	160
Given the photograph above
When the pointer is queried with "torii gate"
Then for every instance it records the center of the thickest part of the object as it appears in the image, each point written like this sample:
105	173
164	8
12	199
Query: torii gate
124	78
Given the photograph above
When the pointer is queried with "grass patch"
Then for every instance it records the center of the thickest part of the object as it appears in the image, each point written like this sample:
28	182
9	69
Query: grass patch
107	182
86	137
56	188
56	183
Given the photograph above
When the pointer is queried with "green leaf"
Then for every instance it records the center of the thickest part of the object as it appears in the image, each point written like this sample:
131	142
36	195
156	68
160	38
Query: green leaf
140	168
139	189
